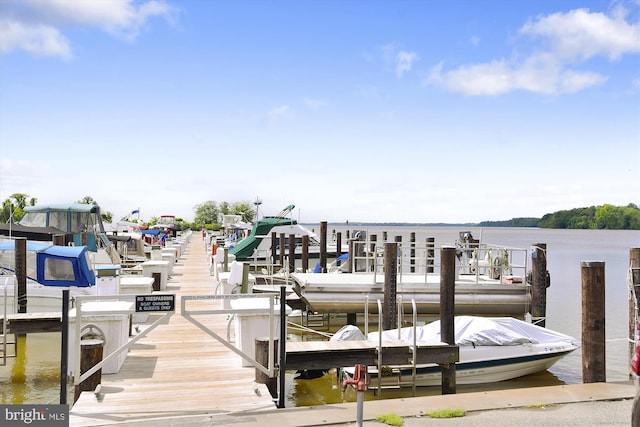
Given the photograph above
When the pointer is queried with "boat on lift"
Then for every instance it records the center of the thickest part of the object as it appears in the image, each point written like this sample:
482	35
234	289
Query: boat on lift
491	350
257	245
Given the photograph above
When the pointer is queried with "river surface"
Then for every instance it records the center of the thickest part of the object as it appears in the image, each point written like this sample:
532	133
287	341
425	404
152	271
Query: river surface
33	377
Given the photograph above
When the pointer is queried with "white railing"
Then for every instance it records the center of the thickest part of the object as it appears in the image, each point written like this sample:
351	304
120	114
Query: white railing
486	260
189	314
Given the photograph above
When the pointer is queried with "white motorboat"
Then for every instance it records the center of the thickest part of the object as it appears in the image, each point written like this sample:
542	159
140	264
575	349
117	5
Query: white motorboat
50	269
491	350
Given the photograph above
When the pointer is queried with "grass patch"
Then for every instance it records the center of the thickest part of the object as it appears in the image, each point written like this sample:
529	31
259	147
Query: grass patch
391	419
447	413
540	405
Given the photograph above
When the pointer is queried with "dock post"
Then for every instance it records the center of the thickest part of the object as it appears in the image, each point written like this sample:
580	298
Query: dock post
244	287
323	246
64	346
274	248
447	312
412	256
292	253
262	357
539	283
431	253
634	271
59	240
305	253
21	272
338	247
593	322
90	356
157	281
282	249
389	320
282	365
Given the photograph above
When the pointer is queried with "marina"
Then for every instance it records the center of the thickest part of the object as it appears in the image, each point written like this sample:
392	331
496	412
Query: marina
191	276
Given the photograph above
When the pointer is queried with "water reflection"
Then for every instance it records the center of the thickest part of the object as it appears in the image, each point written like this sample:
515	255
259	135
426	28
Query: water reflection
33	376
328	390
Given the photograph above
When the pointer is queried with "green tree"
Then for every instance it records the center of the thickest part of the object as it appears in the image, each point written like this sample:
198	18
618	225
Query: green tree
106	216
13	207
608	216
206	213
87	200
243	209
225	208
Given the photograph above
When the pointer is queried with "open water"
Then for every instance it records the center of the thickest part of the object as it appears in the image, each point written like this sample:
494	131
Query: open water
34	376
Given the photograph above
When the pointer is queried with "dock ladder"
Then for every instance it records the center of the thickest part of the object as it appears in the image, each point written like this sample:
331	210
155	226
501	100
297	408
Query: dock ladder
3	333
396	370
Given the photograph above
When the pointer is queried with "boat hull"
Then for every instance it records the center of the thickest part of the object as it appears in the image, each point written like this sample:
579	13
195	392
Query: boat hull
350	293
524	360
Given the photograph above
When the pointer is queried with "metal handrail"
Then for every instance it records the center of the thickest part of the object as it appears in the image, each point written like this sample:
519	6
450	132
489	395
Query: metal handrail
504	260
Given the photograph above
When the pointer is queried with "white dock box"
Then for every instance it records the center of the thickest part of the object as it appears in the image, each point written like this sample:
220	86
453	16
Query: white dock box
252	325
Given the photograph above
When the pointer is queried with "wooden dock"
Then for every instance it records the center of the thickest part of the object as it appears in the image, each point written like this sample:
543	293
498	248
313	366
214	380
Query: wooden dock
177	370
327	354
24	323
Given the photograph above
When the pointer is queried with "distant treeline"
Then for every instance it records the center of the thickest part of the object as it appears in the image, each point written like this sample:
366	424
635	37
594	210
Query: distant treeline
603	217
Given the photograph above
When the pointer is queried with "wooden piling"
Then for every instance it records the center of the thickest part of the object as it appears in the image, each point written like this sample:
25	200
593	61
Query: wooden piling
90	356
262	357
59	239
634	313
244	287
539	283
412	254
305	253
282	249
20	262
292	253
338	248
274	249
157	281
389	319
447	312
593	322
323	246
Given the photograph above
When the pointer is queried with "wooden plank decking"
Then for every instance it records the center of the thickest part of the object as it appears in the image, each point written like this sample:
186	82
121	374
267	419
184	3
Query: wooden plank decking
177	370
327	354
23	323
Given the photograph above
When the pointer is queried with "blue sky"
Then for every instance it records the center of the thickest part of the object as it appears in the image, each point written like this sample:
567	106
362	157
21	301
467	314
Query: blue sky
378	111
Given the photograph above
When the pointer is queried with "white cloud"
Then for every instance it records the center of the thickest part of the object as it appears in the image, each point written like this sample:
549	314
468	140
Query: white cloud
39	40
37	26
404	62
569	39
401	60
278	113
313	103
579	34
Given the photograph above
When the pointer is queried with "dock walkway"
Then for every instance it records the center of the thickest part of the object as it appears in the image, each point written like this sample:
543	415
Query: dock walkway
176	371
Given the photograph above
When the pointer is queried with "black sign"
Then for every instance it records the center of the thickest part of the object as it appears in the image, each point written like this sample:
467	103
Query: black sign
155	302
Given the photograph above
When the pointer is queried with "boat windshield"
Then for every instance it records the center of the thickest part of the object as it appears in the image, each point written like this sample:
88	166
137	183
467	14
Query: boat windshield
34	219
